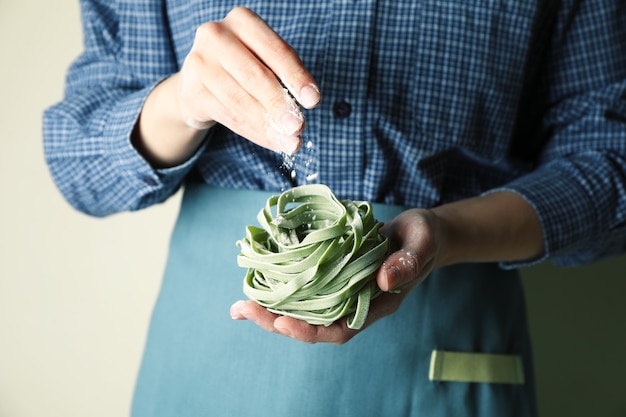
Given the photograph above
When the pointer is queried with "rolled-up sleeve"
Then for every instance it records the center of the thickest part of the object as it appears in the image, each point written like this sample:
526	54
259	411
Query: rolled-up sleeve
579	185
87	136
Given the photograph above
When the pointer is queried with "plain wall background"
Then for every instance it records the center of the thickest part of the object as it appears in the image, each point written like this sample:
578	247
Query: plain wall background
76	292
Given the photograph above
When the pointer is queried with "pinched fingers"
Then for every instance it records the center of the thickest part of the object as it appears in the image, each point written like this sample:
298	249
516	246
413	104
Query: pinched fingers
275	53
234	75
232	107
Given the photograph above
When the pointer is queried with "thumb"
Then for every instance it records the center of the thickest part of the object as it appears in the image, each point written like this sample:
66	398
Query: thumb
401	268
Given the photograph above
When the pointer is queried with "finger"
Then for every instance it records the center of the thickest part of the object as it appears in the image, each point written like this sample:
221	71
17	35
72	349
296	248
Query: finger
339	332
290	327
252	75
241	111
242	114
249	310
261	84
236	310
230	105
277	54
400	268
336	333
386	304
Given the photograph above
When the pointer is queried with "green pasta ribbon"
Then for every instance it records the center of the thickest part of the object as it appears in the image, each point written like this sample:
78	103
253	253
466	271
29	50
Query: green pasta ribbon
314	257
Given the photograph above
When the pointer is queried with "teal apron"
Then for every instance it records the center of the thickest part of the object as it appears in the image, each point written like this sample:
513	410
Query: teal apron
458	345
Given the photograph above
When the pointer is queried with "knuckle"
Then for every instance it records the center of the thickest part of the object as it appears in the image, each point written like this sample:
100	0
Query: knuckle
241	126
238	12
242	15
415	262
280	48
343	334
193	60
255	70
209	30
341	340
277	103
410	262
240	99
232	120
281	101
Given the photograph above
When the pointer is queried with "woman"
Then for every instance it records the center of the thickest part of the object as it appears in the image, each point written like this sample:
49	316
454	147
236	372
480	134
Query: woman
488	134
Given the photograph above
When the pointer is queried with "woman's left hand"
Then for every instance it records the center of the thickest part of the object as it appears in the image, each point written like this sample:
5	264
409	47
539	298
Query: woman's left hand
478	229
417	240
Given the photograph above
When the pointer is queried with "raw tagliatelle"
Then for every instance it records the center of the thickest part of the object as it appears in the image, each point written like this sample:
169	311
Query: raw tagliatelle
314	257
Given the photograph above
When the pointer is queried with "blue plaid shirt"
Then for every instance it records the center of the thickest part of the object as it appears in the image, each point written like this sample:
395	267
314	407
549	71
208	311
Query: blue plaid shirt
424	102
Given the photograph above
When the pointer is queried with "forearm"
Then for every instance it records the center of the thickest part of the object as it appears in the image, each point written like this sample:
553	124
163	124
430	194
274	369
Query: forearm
496	227
161	135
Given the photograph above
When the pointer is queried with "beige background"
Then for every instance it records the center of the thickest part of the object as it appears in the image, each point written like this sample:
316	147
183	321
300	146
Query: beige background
76	292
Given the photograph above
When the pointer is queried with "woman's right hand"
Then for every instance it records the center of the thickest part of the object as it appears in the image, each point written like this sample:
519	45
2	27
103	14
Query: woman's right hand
237	74
233	76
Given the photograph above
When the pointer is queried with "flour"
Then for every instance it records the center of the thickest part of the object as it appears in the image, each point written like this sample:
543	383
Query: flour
312	177
290	160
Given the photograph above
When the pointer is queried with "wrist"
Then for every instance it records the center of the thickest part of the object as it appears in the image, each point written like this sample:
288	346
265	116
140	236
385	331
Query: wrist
450	238
161	134
497	227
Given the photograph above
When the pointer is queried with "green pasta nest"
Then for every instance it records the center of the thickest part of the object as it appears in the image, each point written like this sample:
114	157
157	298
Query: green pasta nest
314	257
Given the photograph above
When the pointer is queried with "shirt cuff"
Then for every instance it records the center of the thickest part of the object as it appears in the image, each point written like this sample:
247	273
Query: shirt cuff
150	185
564	208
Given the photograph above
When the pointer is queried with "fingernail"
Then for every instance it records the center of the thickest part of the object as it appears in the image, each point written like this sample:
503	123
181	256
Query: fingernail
289	144
235	310
310	96
392	274
291	122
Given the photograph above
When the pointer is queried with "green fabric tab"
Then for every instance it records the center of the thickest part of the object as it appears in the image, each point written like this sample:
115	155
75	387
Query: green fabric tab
476	367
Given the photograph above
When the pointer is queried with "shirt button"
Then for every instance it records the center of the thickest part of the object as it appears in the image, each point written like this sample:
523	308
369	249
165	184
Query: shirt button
149	180
342	109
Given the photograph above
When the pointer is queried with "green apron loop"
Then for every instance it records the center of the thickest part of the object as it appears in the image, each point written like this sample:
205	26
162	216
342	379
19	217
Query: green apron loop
476	367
